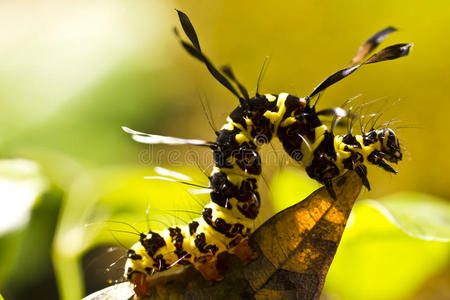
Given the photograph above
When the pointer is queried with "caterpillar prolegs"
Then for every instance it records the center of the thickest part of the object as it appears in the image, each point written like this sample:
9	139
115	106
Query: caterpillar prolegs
226	221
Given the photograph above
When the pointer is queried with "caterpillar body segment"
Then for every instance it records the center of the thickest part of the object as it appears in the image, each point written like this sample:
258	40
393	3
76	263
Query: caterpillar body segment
227	220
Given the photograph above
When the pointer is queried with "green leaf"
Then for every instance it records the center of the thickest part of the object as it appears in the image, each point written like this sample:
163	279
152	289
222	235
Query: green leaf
21	184
128	203
419	215
31	266
377	260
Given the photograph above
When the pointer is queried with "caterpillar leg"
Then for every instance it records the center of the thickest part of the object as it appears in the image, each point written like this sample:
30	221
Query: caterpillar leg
209	269
140	287
244	251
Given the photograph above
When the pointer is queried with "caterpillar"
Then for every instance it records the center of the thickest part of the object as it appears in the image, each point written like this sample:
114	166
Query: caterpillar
226	221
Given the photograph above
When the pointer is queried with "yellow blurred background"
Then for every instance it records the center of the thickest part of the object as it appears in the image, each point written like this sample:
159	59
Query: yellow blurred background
73	72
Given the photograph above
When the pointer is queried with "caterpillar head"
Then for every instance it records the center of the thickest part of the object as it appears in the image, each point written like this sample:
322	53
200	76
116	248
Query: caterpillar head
390	145
383	145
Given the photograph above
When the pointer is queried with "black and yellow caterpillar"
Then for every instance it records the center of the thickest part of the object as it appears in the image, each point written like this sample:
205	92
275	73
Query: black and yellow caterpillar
226	221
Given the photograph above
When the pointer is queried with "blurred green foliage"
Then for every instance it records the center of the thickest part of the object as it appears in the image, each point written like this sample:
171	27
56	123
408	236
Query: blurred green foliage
290	186
73	72
390	247
378	260
29	212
